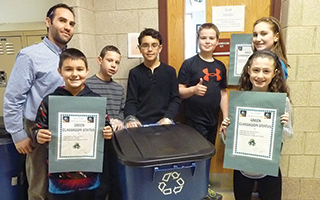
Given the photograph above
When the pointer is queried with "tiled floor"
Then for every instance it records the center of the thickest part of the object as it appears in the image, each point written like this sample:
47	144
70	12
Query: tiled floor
222	183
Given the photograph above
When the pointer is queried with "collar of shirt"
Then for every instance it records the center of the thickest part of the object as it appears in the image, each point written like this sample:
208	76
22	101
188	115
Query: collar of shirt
52	46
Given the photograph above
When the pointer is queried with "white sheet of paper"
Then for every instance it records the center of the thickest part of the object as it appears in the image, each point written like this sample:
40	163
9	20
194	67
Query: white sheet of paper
77	135
229	18
254	132
242	53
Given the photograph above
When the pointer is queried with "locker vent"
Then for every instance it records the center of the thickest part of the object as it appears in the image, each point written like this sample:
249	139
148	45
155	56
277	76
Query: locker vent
6	47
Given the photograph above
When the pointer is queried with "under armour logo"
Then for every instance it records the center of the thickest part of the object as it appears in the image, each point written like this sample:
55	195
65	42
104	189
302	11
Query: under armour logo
207	74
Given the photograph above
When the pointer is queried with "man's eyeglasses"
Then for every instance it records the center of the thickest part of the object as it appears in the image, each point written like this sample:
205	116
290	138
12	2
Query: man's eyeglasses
147	46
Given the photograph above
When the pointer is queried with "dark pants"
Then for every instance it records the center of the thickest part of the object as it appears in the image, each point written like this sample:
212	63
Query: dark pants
36	167
23	178
109	178
269	187
208	132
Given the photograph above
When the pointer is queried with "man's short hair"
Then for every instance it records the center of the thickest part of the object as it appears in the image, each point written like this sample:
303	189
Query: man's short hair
52	10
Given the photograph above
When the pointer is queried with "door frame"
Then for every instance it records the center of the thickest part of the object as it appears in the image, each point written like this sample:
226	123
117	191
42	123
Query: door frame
163	23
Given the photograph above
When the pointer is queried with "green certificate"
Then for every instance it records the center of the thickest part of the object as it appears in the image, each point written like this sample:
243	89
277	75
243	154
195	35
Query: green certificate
240	51
255	132
76	124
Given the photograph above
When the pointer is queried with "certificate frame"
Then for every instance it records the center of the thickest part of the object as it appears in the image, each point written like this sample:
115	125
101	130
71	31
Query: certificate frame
76	125
261	132
240	50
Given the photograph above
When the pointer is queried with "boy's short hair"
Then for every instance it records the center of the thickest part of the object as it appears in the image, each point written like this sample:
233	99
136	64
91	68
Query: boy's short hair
208	26
73	54
150	32
109	48
52	10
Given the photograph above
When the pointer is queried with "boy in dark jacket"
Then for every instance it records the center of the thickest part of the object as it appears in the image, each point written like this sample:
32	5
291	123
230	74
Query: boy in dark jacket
73	68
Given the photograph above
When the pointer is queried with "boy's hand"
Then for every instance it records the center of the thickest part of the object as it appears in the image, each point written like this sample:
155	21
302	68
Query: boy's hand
107	132
164	121
200	89
116	124
284	118
43	136
133	124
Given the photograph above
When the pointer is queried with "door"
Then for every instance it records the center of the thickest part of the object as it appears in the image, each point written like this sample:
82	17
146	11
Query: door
171	25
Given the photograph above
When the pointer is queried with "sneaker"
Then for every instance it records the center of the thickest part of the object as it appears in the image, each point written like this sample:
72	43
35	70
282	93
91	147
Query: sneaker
212	195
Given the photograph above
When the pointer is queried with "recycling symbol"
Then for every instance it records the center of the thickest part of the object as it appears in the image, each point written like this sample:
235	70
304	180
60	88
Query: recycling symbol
175	180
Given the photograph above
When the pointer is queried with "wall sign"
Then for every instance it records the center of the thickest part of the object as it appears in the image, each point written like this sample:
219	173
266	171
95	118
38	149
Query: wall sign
223	47
229	18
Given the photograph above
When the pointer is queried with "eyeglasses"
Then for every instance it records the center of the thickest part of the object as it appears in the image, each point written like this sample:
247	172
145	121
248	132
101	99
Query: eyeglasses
147	46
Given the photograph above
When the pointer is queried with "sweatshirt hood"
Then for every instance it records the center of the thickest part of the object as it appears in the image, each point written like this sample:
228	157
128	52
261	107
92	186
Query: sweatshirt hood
62	91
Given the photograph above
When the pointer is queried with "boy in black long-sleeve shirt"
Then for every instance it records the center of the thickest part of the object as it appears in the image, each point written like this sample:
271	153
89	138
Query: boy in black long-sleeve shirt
152	93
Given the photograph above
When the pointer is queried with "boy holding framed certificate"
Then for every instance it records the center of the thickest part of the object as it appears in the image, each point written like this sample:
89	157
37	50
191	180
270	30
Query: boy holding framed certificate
70	185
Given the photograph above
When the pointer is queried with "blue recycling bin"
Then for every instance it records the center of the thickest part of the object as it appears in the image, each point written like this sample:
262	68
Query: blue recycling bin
10	168
163	163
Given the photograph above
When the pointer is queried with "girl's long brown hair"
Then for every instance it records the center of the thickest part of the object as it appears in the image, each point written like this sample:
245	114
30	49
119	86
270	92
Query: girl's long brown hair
278	83
279	47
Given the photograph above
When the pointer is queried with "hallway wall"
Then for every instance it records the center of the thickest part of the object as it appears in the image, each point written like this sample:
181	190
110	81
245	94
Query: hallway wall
107	22
301	155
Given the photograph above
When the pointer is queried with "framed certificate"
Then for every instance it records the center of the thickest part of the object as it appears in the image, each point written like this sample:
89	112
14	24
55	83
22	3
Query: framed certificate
240	51
76	124
255	132
77	135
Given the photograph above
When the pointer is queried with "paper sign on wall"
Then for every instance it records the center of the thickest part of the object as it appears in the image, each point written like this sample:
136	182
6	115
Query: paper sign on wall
229	18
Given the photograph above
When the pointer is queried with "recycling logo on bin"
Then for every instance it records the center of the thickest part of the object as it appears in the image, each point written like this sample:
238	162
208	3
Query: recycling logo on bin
175	181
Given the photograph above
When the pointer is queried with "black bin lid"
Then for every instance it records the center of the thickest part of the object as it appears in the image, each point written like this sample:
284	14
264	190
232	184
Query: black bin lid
159	145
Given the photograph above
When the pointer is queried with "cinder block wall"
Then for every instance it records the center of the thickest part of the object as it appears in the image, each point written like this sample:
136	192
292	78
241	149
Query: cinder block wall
107	22
301	155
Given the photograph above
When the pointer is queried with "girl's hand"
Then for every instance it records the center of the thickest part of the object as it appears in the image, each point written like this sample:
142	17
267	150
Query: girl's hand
107	132
284	118
224	125
43	136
